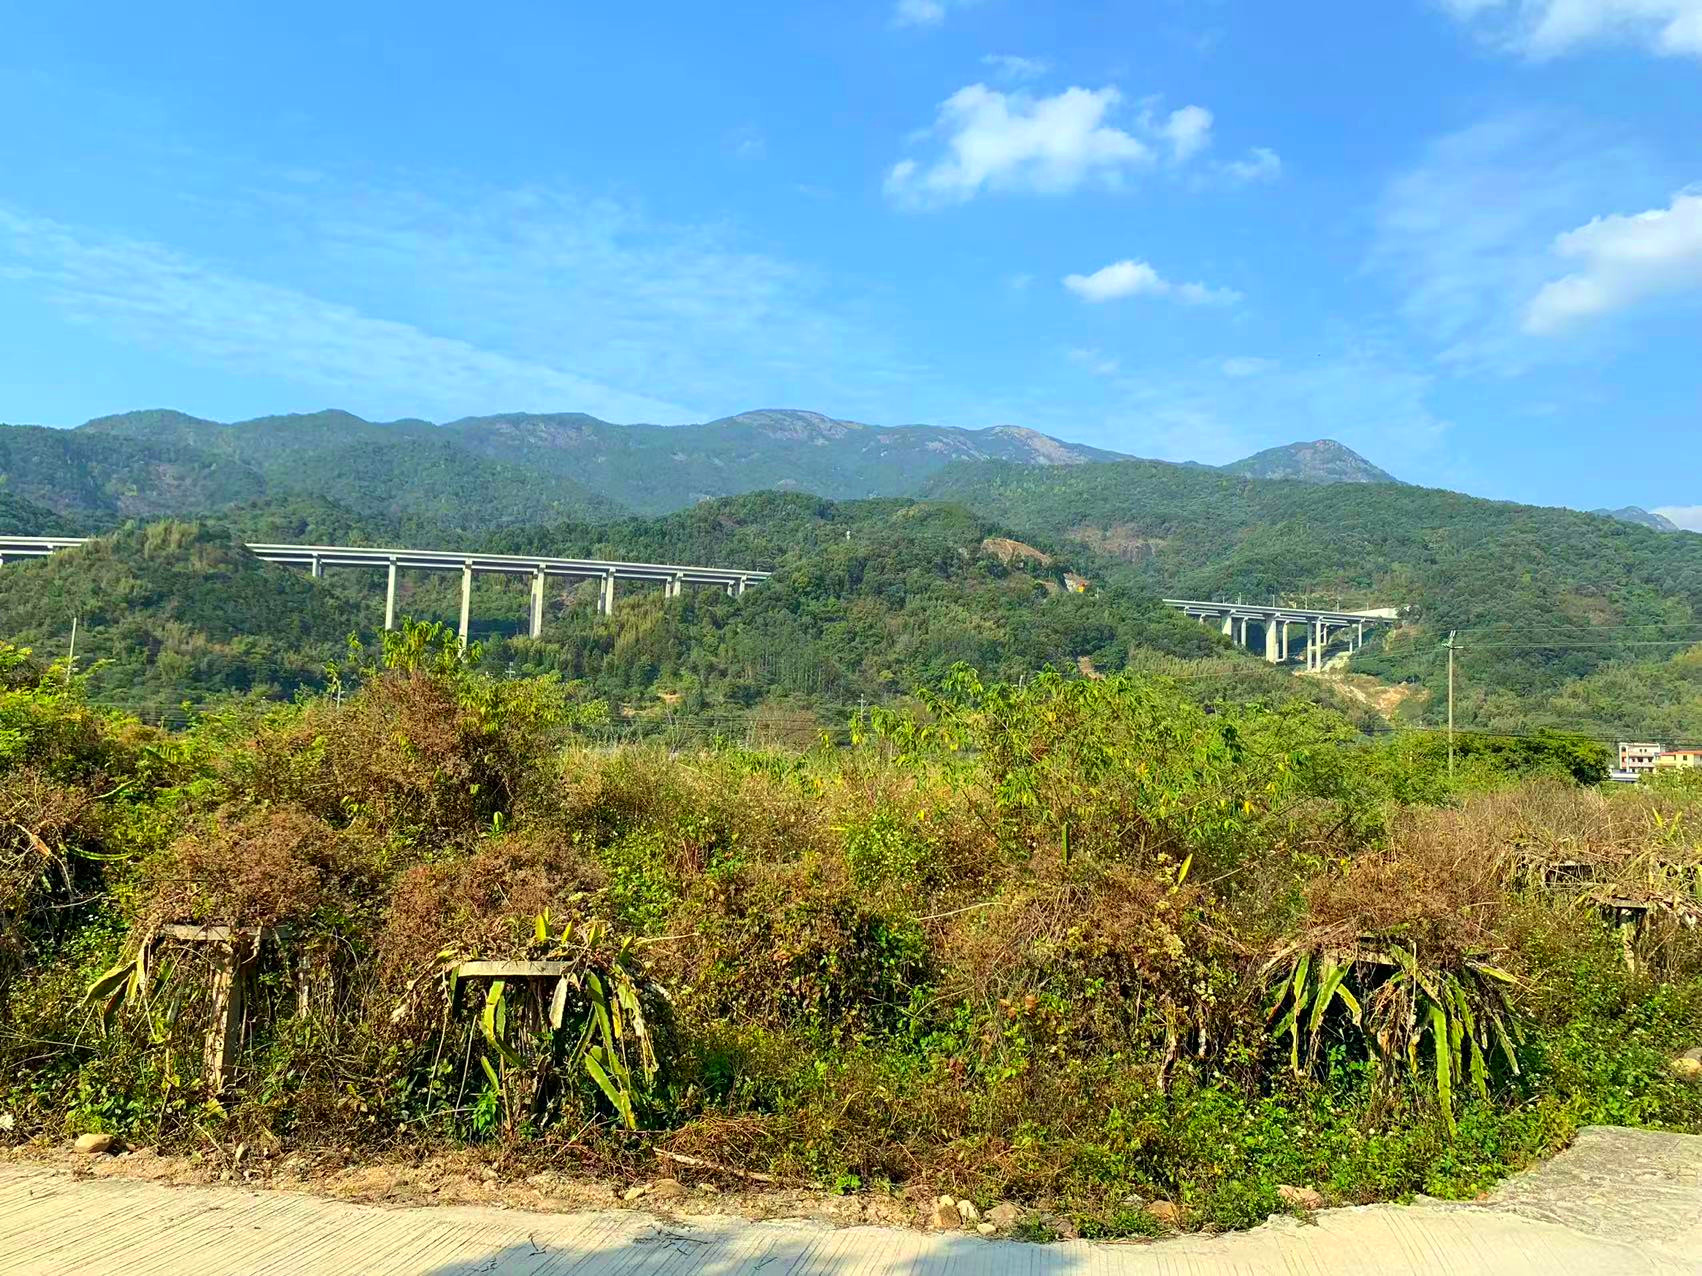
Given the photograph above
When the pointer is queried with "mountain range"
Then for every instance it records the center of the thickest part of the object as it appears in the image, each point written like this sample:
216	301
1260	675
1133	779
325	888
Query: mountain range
1641	517
518	469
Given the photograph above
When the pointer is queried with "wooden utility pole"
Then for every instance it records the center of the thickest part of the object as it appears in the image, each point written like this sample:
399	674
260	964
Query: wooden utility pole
1451	635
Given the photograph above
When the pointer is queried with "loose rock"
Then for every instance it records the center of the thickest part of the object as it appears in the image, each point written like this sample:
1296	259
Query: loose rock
97	1144
969	1213
1004	1216
945	1217
1165	1213
633	1193
986	1229
1689	1064
1300	1197
668	1190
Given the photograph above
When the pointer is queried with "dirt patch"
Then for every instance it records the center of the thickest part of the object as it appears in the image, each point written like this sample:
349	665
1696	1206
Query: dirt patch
469	1178
1008	551
1386	699
1124	540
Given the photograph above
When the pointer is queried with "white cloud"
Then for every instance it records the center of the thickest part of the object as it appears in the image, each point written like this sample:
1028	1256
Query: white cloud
1130	278
1008	66
925	13
1188	130
1247	366
1624	259
1548	28
1046	145
1464	234
1261	165
1688	517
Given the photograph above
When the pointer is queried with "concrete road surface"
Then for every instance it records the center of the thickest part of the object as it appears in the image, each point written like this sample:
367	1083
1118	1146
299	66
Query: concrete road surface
1619	1201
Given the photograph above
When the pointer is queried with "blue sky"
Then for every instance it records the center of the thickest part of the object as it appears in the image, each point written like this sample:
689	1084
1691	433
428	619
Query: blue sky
1462	236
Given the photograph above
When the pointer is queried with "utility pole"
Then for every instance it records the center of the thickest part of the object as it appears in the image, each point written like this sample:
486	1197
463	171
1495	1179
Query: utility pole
1451	635
71	656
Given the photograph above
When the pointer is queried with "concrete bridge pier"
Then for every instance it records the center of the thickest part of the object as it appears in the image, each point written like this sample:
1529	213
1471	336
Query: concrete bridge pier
1229	626
606	599
1271	652
390	596
537	616
318	567
674	587
466	602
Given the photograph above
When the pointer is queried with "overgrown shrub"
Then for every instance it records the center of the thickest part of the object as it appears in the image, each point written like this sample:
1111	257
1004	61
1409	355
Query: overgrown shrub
1061	942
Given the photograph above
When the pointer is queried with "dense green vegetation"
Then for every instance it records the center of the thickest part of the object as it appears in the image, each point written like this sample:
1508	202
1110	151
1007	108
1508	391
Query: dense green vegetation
175	611
568	456
870	600
1542	597
1063	944
1324	461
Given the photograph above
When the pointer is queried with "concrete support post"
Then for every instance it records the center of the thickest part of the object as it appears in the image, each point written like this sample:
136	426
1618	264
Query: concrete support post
537	626
390	596
739	589
676	586
1271	640
318	568
606	600
466	602
1360	642
1228	625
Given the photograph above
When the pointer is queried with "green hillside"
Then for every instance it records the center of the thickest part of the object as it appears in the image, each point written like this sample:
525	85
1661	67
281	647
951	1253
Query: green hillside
1543	597
19	517
1324	461
870	601
95	481
405	473
655	468
173	612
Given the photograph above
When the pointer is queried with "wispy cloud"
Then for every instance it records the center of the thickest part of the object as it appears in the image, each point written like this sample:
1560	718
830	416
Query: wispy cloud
1130	278
1363	393
1014	69
408	301
1622	260
1688	517
925	13
1464	235
1548	28
161	299
1262	164
1096	361
1247	366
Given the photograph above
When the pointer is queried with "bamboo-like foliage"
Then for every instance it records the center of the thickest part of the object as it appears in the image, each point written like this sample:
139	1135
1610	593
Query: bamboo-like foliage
593	1022
1391	1001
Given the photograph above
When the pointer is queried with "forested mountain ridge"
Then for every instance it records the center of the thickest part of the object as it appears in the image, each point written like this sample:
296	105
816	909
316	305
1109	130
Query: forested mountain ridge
516	469
1322	461
1641	517
648	468
653	469
1545	596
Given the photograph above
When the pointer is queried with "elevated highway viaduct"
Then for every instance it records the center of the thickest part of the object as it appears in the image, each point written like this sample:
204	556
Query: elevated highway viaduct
1272	625
673	577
